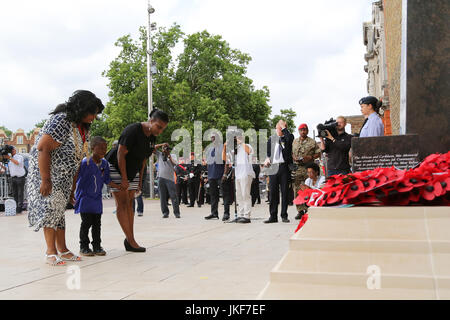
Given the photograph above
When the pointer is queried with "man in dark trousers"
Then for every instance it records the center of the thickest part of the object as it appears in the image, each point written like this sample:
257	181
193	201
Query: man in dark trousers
203	182
195	171
215	168
182	178
255	185
279	159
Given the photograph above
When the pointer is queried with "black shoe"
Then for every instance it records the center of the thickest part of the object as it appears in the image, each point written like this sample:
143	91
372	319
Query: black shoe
211	217
87	252
190	206
99	251
243	220
226	217
128	247
271	221
165	215
177	216
286	220
199	205
300	214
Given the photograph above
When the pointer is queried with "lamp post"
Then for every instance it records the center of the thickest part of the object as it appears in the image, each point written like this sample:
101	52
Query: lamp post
151	26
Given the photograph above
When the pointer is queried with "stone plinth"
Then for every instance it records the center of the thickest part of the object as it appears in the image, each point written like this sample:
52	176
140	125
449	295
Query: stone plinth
338	252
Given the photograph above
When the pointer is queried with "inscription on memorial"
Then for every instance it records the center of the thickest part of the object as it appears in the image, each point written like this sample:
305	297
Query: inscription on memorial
400	161
401	151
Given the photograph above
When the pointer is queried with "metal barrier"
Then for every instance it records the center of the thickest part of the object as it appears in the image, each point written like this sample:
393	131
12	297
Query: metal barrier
4	188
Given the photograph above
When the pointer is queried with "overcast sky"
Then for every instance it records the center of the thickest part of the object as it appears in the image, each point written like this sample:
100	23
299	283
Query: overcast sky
310	54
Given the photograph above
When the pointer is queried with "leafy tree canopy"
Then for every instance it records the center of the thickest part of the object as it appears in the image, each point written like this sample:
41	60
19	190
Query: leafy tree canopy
206	82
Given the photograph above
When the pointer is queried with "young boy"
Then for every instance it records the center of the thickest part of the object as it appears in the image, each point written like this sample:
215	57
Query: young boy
93	173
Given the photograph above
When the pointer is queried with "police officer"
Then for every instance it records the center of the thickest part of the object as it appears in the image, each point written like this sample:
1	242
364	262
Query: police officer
304	151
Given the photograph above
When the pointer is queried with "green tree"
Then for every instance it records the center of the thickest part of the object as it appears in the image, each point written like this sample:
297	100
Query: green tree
207	82
40	124
7	131
287	115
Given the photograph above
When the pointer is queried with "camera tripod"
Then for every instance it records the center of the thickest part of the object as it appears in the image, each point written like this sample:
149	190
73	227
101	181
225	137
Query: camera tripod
4	185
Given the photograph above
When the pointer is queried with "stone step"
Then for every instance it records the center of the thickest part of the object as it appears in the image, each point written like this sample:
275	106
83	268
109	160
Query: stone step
366	253
411	261
305	291
396	223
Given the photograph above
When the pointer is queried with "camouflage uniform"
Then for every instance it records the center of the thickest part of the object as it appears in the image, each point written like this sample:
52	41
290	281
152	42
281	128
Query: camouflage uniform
302	148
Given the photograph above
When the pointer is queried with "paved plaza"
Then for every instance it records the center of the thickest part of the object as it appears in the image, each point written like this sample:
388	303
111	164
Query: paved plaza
187	258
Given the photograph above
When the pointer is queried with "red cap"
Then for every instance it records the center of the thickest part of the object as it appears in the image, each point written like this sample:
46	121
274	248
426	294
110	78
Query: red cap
303	126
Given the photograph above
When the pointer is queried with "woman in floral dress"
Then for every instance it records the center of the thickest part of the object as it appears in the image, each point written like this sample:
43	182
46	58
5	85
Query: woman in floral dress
54	161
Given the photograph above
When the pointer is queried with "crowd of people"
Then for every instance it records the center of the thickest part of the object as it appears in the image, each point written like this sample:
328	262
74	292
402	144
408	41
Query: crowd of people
62	171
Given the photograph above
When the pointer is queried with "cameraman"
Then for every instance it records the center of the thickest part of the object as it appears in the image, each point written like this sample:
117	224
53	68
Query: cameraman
17	172
337	149
166	180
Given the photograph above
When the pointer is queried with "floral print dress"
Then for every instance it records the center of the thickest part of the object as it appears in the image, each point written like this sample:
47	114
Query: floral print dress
49	211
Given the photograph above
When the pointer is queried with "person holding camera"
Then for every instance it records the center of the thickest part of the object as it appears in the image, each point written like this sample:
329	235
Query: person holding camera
279	154
337	148
166	180
17	173
373	125
243	175
304	151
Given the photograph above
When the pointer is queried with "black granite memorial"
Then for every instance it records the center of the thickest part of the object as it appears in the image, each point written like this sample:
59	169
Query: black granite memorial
425	92
425	76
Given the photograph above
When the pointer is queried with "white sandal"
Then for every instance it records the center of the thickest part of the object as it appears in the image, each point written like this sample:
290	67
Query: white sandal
73	258
57	262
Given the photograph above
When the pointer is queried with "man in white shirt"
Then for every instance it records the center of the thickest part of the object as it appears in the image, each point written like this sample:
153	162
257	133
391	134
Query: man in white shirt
17	172
244	176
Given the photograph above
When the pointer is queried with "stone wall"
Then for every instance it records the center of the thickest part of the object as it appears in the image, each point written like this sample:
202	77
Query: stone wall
393	34
356	122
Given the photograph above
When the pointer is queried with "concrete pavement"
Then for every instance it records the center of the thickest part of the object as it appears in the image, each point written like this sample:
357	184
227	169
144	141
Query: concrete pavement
187	258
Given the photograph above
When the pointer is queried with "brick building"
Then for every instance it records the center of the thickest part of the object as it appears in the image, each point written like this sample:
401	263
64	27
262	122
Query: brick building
19	139
382	37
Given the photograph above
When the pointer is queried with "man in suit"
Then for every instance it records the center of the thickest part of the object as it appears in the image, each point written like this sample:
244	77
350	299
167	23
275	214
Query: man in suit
215	168
279	157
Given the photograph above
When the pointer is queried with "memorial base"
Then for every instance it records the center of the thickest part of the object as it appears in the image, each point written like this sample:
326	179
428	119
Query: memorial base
366	253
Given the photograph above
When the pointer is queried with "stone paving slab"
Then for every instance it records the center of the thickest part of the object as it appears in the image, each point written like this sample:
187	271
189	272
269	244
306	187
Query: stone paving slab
187	258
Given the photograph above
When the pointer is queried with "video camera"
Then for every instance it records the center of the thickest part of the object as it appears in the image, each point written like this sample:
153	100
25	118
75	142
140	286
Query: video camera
166	152
5	151
329	125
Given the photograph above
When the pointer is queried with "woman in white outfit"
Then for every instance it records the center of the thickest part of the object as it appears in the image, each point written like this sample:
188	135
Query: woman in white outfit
244	176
